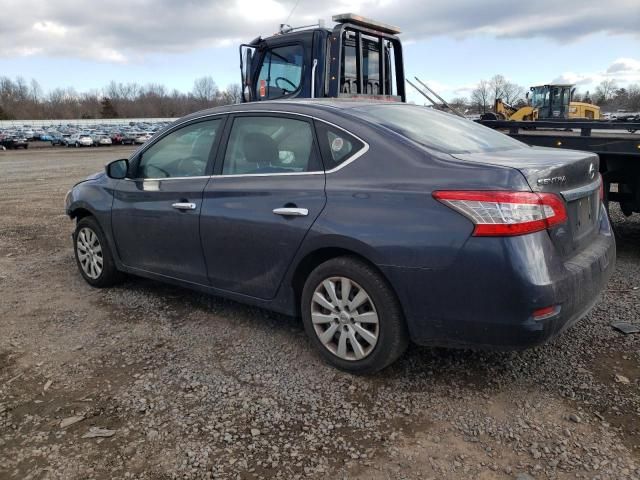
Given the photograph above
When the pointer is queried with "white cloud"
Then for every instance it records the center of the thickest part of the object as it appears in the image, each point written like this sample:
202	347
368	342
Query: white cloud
132	28
623	71
624	65
50	28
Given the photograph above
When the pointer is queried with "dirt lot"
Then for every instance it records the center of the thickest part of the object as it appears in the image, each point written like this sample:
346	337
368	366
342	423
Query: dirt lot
188	386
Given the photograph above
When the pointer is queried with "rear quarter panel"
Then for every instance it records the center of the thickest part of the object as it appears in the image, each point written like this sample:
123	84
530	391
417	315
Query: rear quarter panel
381	204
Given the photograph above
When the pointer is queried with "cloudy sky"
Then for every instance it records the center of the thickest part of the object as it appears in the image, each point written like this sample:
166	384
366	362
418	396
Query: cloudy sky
451	44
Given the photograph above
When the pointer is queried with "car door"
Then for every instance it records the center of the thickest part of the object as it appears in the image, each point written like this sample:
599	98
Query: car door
267	191
156	213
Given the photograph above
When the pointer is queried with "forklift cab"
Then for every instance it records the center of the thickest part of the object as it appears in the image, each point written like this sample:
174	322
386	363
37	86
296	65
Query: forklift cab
357	58
551	101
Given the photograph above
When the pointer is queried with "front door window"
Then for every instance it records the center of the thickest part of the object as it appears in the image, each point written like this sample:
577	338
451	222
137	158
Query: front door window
183	153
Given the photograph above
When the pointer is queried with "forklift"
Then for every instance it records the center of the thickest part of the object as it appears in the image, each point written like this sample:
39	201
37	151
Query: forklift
358	58
547	102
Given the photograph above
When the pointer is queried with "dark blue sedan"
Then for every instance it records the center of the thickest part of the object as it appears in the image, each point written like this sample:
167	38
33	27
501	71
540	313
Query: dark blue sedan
376	223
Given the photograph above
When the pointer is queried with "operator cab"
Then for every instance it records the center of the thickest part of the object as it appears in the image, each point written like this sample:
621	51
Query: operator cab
552	101
359	57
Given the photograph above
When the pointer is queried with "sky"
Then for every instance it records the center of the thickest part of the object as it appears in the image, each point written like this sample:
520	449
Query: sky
449	44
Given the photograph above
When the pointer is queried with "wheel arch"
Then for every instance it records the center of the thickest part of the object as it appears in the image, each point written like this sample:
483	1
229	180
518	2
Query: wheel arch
318	256
80	212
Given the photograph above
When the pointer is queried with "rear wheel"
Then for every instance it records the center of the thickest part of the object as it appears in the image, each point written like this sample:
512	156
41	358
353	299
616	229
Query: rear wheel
93	255
352	316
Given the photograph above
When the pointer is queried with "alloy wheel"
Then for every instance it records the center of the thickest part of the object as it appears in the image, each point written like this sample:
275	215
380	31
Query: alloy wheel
89	253
344	318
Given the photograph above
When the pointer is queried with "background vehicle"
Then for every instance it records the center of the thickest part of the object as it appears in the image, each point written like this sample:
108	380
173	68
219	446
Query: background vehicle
13	142
363	58
117	138
80	140
129	138
142	137
553	101
57	138
371	220
359	57
101	139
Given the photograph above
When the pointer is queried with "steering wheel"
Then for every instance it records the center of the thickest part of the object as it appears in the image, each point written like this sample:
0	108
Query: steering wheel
293	85
191	167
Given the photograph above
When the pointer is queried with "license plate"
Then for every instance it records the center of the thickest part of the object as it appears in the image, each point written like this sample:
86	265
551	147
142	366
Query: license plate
585	214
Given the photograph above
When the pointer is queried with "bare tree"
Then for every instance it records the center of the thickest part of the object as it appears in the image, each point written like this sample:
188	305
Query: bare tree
460	103
205	90
481	96
605	91
497	86
512	93
232	94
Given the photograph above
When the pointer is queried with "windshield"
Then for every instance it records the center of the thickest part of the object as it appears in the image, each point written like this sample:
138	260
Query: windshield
540	97
438	130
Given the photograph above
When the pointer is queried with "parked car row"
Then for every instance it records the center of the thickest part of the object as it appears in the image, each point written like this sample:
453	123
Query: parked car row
70	135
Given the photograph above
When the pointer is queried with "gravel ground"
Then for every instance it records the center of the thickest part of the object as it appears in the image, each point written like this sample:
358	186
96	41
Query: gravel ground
156	382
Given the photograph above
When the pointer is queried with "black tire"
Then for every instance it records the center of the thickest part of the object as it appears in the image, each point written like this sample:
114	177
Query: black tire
393	338
109	275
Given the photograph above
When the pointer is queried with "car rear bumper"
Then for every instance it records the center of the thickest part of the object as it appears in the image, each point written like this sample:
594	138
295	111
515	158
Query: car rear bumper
486	299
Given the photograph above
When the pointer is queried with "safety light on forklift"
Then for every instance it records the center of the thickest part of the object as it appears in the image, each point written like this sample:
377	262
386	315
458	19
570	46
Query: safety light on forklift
546	312
365	22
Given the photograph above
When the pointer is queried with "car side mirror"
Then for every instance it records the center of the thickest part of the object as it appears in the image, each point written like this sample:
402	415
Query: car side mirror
117	169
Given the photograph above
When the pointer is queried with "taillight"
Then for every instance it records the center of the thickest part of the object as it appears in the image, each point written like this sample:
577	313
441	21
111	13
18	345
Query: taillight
500	213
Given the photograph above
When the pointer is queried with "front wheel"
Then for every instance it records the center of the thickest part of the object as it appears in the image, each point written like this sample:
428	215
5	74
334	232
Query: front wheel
93	255
352	316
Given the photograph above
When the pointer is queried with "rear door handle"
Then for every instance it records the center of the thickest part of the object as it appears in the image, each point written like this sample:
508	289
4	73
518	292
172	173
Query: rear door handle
291	212
184	206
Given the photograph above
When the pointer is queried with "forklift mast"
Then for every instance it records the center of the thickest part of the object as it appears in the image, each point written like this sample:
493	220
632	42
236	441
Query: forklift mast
358	58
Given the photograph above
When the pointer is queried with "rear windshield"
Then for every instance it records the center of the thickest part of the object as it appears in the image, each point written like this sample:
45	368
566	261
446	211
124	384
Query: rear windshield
438	130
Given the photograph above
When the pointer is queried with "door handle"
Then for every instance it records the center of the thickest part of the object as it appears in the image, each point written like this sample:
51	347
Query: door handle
184	206
291	212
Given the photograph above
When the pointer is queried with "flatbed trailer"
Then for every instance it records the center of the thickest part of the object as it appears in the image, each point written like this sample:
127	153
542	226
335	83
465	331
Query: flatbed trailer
616	143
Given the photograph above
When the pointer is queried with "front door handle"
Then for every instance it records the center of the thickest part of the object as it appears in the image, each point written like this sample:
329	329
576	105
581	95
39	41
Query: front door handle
184	206
291	212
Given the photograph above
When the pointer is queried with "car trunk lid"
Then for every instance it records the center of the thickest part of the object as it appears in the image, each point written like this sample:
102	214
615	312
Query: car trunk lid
571	174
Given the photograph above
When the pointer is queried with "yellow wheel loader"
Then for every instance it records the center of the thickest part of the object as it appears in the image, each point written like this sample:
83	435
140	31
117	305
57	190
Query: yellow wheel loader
546	102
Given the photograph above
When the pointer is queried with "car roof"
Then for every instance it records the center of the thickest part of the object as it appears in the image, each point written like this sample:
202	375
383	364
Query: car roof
308	106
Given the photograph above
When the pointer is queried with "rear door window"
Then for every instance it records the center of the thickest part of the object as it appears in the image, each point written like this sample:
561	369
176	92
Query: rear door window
270	145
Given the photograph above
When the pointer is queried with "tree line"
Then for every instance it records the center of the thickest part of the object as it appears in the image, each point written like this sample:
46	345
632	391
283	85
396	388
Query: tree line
22	100
608	96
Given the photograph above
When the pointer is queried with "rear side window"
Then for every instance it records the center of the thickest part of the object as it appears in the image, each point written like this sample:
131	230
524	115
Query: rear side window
438	130
337	146
270	145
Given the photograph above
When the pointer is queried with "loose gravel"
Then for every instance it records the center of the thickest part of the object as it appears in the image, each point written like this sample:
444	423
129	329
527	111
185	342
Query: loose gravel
151	381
